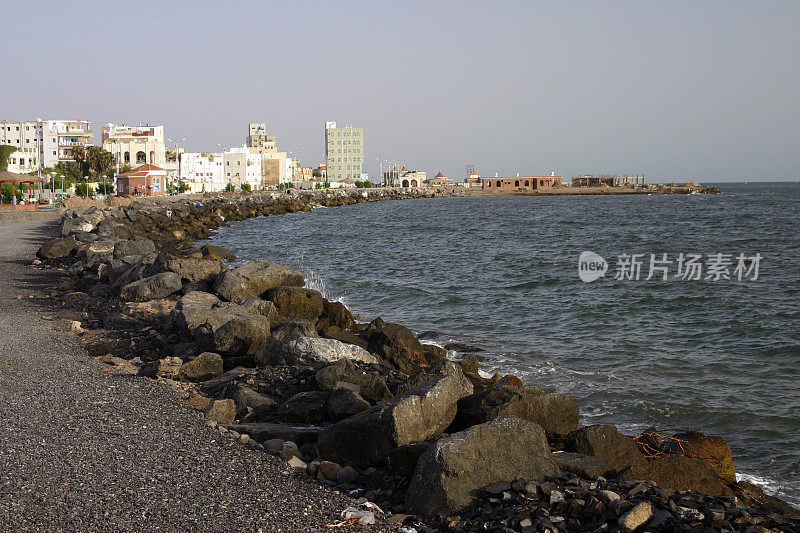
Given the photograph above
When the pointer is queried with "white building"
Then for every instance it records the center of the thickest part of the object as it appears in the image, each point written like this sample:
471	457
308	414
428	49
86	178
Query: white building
51	140
203	172
243	165
135	145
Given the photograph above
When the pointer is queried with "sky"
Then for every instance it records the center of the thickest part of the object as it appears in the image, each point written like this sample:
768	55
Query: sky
700	90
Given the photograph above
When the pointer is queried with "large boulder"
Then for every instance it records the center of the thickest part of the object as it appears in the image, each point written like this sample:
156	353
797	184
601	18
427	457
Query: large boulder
371	386
166	368
398	344
79	223
345	402
232	334
712	450
505	449
556	413
681	473
191	310
585	466
250	405
311	350
367	438
190	270
307	406
254	279
152	288
205	366
271	352
607	443
336	315
57	248
296	303
125	248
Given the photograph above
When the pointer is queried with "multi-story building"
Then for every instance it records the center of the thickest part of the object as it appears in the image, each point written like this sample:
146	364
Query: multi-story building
51	140
23	161
135	145
404	177
344	152
257	137
203	172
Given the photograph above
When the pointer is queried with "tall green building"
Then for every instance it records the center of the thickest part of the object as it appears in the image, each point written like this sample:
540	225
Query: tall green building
344	152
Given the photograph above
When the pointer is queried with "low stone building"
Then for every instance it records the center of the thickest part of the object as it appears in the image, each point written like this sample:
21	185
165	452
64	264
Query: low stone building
440	180
590	180
144	180
521	182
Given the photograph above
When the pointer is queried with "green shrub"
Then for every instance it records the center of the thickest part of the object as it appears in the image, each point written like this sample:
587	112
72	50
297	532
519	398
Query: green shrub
230	187
83	190
5	151
245	187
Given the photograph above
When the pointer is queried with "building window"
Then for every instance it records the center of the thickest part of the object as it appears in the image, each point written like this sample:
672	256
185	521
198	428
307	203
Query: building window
127	157
152	156
141	157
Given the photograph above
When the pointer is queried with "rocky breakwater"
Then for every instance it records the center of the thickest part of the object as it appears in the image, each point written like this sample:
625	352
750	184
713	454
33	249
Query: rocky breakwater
417	437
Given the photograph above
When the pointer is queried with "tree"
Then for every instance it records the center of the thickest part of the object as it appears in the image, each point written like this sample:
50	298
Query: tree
245	187
183	186
83	190
5	151
317	173
79	155
230	187
99	160
105	187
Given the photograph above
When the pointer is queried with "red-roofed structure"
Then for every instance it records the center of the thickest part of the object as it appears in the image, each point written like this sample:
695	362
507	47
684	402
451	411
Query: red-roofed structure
144	180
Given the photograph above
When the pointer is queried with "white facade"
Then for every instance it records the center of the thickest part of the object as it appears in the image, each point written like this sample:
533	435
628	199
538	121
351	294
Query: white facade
243	165
52	140
135	145
203	172
23	161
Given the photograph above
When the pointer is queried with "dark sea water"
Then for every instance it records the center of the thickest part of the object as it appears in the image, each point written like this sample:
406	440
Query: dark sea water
722	357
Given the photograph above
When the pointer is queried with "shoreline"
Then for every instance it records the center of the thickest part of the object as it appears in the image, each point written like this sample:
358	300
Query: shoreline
455	392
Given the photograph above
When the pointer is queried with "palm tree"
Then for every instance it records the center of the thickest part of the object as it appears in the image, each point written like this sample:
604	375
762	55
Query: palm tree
100	161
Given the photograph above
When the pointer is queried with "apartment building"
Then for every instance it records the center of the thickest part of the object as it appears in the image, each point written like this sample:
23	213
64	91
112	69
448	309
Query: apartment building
257	137
344	152
51	141
203	172
135	145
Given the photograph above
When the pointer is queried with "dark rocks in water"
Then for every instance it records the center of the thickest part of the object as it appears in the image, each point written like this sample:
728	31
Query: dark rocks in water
152	288
505	449
333	332
215	253
679	472
232	334
336	315
57	248
205	366
397	344
434	353
345	402
308	407
254	279
556	413
437	369
296	303
271	352
712	450
462	348
367	438
608	444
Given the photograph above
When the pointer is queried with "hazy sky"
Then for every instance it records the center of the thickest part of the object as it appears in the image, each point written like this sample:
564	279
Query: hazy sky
700	90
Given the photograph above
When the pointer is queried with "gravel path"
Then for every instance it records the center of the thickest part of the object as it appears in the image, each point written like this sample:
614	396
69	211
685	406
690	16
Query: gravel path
85	448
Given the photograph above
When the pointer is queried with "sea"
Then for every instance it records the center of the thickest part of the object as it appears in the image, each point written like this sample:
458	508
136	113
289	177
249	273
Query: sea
694	324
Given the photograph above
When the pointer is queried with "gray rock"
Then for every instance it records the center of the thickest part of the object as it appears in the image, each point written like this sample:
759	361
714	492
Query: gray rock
348	474
258	306
57	248
205	366
372	387
345	402
167	368
296	303
250	405
304	407
222	411
138	247
585	466
152	288
556	413
311	350
367	438
329	469
254	279
296	462
505	449
607	443
224	384
190	270
191	310
264	431
271	352
636	517
232	334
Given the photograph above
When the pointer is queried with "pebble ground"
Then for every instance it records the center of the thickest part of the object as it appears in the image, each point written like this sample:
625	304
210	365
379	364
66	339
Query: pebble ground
85	448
